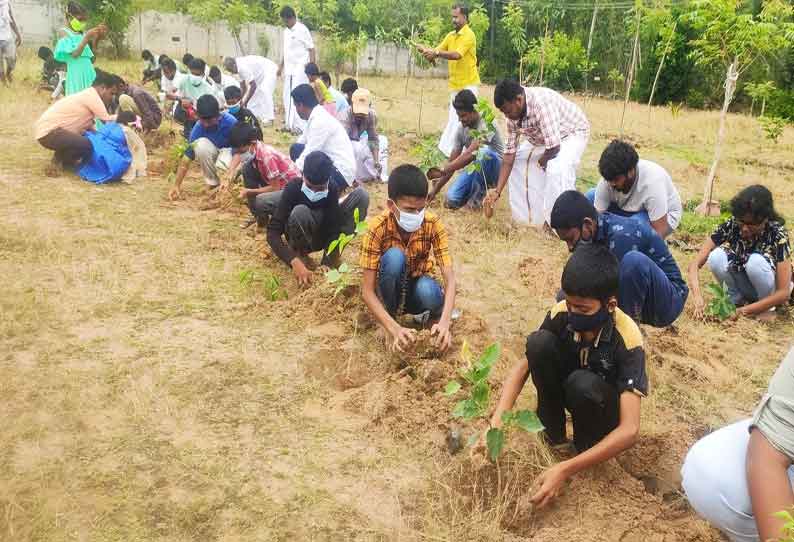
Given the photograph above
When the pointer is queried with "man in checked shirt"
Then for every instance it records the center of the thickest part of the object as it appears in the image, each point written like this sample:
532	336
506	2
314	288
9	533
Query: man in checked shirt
556	131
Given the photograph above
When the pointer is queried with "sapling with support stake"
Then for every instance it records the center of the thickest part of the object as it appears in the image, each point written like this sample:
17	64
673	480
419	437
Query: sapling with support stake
475	378
340	277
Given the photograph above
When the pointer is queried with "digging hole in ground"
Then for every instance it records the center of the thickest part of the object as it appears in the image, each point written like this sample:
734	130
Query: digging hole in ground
343	369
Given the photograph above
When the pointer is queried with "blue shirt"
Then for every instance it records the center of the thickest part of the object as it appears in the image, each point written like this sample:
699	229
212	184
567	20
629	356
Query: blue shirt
219	135
622	235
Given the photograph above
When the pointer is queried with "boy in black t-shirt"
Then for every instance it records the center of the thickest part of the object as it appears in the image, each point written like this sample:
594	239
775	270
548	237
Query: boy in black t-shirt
233	96
587	357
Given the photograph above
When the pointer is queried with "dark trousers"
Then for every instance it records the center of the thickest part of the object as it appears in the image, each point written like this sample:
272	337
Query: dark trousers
562	384
70	148
337	178
645	292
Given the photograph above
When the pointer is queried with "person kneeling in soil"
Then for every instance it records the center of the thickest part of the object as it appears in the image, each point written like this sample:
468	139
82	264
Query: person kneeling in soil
750	254
587	357
209	144
469	188
396	264
310	215
62	126
739	477
652	290
265	171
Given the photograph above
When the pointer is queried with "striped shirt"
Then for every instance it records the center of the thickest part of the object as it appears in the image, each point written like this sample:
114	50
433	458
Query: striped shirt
549	119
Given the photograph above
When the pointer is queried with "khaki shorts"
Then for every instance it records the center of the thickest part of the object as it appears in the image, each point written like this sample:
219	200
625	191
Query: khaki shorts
774	416
8	51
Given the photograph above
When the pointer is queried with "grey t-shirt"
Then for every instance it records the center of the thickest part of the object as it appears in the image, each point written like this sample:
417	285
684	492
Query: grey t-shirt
463	138
653	191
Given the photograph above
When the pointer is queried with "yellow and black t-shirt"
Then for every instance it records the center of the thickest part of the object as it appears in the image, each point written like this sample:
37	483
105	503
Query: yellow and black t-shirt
616	355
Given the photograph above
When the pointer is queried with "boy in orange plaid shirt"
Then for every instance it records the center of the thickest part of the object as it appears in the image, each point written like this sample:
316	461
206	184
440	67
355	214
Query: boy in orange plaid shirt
397	264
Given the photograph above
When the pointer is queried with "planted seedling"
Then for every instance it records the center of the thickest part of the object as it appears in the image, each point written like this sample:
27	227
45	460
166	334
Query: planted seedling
341	276
488	116
720	306
270	282
175	155
474	378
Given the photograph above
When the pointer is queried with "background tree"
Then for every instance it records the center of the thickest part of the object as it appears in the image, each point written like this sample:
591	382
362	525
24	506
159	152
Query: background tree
760	92
117	15
734	39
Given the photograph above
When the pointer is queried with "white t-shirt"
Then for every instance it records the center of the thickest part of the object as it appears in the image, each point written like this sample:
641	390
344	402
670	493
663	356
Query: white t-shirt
5	21
256	69
653	191
297	42
172	86
325	133
229	81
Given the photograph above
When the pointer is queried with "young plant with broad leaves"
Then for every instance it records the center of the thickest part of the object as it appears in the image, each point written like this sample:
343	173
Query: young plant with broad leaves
488	117
474	378
340	277
720	307
773	127
270	282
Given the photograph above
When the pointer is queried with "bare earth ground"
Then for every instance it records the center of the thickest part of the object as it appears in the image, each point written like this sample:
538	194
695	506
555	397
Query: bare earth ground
151	390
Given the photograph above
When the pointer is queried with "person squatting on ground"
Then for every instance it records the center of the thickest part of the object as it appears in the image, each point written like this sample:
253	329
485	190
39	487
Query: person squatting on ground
323	132
257	83
470	187
61	127
308	214
265	171
750	253
587	357
740	476
74	48
298	50
397	268
635	188
221	81
459	47
544	166
10	41
233	96
136	100
209	144
324	96
151	67
361	124
652	290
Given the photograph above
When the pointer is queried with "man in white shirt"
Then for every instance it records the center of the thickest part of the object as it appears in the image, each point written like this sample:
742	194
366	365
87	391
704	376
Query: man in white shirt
323	133
298	51
10	39
636	188
257	81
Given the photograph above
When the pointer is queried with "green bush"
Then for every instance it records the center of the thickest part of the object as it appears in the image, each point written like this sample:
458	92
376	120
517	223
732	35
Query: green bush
564	61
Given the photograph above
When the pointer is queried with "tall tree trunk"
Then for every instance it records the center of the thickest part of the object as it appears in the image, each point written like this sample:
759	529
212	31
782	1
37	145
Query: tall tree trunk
705	208
630	78
659	71
590	42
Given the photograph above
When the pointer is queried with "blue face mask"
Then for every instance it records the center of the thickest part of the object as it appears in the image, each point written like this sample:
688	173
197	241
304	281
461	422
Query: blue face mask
313	196
234	109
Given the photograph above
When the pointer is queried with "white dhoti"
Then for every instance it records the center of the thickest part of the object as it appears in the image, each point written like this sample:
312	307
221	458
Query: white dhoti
365	162
447	141
291	119
534	191
261	103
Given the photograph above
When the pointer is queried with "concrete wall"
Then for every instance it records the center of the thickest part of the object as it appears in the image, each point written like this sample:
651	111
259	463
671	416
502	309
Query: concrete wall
175	34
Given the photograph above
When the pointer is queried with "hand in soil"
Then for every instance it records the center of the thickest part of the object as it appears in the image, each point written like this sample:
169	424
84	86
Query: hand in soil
402	338
699	307
550	482
301	272
175	193
442	338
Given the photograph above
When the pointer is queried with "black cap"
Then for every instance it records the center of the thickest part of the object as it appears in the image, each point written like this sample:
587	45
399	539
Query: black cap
317	168
207	107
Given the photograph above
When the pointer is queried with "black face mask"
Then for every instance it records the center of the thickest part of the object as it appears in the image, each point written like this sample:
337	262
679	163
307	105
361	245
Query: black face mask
589	322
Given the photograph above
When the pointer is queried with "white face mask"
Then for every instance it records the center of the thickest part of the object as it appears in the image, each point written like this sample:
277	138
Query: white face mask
195	80
411	222
313	196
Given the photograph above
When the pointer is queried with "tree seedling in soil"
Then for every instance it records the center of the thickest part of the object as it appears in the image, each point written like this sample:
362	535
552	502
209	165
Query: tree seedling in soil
720	307
340	277
488	116
475	379
773	127
175	155
271	283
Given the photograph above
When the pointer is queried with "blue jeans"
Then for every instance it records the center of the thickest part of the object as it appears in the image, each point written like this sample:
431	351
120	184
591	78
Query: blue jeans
646	294
756	281
640	216
421	294
471	187
296	149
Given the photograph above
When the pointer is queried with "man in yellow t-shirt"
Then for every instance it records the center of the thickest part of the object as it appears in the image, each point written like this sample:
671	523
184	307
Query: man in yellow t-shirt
459	47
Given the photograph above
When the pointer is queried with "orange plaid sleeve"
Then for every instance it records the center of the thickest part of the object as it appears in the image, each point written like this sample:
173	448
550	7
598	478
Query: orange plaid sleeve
440	241
370	253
